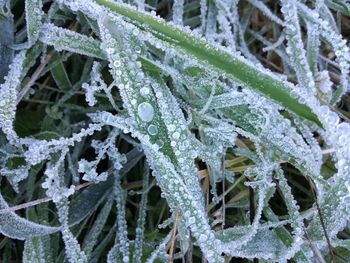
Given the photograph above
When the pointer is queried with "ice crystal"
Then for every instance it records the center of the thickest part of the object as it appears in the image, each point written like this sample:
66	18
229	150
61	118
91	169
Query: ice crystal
102	149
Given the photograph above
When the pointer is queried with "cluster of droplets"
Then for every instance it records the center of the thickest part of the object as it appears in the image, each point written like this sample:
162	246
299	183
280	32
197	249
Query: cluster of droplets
73	251
160	251
331	35
171	183
91	239
34	16
324	85
64	39
121	241
90	8
54	183
178	11
40	150
181	140
96	84
139	238
294	215
335	205
179	196
267	12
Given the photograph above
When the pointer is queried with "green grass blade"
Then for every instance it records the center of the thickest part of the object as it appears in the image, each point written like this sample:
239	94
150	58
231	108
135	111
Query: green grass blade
64	39
60	76
6	39
233	66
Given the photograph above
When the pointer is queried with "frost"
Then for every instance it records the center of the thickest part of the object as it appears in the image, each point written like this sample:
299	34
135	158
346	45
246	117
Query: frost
178	10
295	45
8	94
34	16
102	149
195	102
120	250
54	183
97	84
73	250
324	85
14	226
64	39
92	238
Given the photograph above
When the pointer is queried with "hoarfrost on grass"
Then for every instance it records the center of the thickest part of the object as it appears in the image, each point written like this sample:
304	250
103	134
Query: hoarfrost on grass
197	99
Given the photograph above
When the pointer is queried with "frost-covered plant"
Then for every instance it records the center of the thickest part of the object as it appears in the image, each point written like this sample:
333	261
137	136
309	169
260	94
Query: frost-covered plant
146	131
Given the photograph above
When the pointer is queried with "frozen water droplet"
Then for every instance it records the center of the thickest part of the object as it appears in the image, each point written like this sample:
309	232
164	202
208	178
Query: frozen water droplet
145	111
202	238
152	129
160	143
176	135
110	50
191	220
343	128
138	49
144	91
117	63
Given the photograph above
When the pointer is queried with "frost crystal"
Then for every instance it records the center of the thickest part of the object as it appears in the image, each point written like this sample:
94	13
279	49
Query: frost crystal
8	94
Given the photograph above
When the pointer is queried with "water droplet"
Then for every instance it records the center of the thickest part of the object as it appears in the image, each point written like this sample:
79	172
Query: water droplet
145	111
152	129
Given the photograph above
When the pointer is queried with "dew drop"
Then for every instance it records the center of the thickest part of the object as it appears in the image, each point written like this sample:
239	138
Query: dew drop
145	111
152	129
